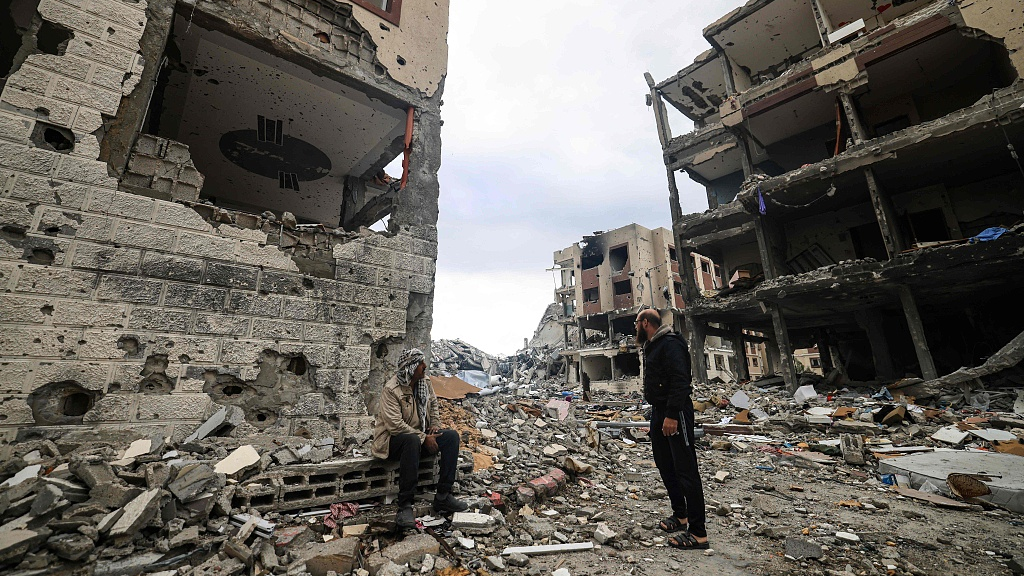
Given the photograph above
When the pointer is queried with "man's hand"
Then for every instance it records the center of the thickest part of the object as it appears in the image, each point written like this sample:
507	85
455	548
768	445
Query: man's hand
430	444
669	427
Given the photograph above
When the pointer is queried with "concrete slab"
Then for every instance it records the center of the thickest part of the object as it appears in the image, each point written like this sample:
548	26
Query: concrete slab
25	474
1005	470
243	457
137	513
950	435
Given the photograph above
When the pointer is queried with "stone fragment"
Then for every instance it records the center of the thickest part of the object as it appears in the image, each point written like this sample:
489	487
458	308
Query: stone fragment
25	474
495	563
538	527
70	546
801	548
226	417
555	450
847	537
721	476
94	473
192	480
46	500
339	555
137	513
15	543
473	522
603	534
243	458
518	560
561	572
852	446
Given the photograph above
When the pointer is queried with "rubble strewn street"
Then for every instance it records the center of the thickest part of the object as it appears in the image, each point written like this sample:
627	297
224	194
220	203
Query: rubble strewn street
826	485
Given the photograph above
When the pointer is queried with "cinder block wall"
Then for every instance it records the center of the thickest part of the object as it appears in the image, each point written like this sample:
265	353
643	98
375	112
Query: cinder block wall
128	311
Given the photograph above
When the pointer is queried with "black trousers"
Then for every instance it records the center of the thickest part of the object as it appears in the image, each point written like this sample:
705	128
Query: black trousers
405	448
676	459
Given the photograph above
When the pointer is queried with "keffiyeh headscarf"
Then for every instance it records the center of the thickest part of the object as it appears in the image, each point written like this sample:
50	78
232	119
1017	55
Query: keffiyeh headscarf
408	361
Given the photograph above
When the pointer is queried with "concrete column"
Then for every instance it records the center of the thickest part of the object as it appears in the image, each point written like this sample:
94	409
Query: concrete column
885	213
697	335
417	202
614	370
740	349
860	134
765	247
825	352
686	271
822	21
785	349
917	334
873	324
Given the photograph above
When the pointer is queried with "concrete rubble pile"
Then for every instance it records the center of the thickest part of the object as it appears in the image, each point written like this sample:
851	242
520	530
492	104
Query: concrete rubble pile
829	481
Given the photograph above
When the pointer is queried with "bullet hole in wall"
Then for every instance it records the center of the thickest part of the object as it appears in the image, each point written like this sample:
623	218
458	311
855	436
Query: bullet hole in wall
53	38
50	137
41	256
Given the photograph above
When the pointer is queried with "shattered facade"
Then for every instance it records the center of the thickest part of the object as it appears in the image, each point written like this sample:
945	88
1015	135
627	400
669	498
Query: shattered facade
849	151
185	194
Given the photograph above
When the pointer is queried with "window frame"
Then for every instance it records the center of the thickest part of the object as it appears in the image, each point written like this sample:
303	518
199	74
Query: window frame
392	14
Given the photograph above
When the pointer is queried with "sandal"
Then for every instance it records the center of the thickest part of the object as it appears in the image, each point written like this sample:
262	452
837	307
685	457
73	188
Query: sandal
672	524
686	541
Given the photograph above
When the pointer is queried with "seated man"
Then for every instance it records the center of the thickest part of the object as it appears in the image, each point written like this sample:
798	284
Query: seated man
407	423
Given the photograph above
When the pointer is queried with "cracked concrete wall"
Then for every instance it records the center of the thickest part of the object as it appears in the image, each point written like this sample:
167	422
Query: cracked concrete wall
124	310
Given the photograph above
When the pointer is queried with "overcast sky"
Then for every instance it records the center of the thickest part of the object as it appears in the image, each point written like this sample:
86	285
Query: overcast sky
547	138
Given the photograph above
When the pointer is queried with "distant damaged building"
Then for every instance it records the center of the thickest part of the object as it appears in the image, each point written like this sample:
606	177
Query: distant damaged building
854	154
604	281
183	199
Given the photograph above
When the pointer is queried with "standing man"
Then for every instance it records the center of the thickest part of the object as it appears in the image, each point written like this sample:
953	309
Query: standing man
406	423
667	388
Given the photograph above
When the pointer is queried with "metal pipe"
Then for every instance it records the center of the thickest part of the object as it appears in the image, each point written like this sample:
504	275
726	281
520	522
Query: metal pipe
408	147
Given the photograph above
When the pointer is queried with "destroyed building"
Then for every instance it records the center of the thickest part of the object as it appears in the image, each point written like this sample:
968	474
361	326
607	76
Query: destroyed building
185	198
855	154
604	281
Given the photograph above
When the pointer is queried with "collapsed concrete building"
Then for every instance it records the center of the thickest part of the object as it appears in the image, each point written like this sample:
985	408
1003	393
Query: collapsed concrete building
849	151
185	193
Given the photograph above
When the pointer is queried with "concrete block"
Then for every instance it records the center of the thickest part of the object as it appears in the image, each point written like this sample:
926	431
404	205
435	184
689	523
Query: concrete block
254	303
107	258
40	190
70	546
144	236
15	543
231	276
227	325
276	329
84	171
160	265
15	214
353	272
311	310
129	289
181	216
603	534
122	204
160	319
173	407
206	246
195	297
473	523
228	416
265	256
112	408
86	313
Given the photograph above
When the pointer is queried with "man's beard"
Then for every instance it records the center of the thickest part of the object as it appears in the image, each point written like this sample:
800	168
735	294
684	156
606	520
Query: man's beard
641	336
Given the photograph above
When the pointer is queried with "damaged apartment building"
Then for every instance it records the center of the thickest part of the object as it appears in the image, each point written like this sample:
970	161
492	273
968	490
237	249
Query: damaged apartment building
604	281
185	200
852	152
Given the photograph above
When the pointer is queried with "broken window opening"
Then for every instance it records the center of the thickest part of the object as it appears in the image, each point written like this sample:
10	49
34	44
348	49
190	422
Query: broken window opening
618	259
390	10
591	295
623	287
928	226
15	21
591	252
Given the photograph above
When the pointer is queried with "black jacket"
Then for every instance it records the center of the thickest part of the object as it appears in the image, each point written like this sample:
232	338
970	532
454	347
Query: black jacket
667	380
